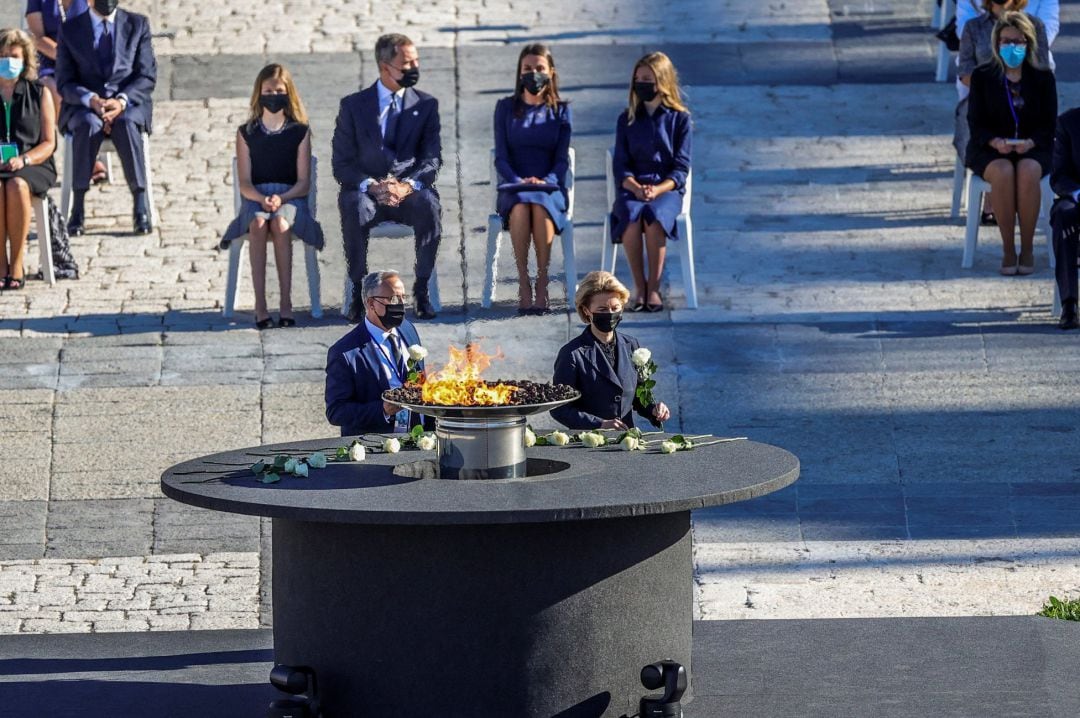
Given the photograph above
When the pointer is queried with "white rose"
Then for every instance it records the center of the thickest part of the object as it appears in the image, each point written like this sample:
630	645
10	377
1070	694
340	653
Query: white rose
426	442
559	438
530	437
391	446
417	352
300	469
317	460
357	452
640	357
592	440
668	447
290	466
629	443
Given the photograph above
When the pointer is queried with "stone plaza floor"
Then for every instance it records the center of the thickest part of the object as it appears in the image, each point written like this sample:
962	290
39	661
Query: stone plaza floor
935	410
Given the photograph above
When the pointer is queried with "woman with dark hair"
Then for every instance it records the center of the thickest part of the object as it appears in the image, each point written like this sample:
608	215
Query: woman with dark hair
532	144
651	163
1012	112
273	164
27	143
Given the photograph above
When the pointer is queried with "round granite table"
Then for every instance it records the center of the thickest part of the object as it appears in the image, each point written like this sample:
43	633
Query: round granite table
544	596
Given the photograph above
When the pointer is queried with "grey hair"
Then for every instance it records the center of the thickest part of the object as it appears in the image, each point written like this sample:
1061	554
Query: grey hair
371	282
386	47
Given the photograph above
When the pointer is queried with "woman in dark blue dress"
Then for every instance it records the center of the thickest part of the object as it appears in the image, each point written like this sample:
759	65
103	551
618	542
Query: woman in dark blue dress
651	162
43	20
532	143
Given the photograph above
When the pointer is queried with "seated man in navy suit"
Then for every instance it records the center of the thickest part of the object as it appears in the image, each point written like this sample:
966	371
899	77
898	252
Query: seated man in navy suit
106	72
371	359
386	156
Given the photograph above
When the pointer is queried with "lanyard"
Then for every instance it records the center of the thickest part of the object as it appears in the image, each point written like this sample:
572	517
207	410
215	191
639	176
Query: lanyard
61	11
7	121
390	359
1012	109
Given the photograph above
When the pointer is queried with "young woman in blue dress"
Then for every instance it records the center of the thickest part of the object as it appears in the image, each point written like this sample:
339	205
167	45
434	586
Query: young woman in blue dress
651	163
532	143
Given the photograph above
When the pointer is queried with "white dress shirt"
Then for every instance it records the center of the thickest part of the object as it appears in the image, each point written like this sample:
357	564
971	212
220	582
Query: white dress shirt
385	97
98	23
383	338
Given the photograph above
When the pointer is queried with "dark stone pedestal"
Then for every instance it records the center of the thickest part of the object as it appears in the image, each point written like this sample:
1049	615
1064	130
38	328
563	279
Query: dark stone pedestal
485	620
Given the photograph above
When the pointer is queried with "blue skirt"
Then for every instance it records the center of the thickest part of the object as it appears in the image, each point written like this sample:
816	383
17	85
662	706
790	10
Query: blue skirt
304	226
628	209
553	202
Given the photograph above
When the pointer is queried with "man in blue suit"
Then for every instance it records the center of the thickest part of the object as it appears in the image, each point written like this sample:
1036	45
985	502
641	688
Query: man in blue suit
386	157
106	72
371	359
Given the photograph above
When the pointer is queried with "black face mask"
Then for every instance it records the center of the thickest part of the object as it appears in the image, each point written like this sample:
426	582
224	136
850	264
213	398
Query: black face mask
409	77
393	315
105	7
606	321
274	103
646	91
535	82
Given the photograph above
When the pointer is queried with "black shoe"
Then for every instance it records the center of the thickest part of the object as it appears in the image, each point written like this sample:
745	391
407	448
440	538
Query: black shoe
142	223
75	225
1069	318
264	324
286	322
423	308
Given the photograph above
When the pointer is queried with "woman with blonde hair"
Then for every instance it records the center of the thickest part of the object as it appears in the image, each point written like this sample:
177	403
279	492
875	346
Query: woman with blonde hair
27	143
1012	113
273	164
532	157
598	362
651	163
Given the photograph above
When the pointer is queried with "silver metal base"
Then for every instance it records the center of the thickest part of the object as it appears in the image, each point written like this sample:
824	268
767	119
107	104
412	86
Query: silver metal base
492	448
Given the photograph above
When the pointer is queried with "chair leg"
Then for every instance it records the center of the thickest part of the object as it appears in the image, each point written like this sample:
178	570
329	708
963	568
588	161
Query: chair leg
686	259
232	280
491	272
1046	203
311	260
433	290
109	167
68	179
971	233
346	296
150	204
1056	311
569	262
959	183
44	237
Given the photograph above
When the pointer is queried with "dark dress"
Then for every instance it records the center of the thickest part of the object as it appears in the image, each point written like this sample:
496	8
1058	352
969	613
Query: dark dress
607	391
26	133
990	116
52	17
534	145
273	171
652	149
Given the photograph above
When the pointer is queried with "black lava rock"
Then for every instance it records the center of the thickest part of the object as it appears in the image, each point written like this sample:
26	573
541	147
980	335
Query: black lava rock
529	392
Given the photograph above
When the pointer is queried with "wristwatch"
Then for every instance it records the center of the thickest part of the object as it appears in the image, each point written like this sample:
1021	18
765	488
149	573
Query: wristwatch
26	161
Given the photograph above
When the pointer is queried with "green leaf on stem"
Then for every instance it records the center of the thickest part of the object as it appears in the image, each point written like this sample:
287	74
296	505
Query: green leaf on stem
258	467
270	477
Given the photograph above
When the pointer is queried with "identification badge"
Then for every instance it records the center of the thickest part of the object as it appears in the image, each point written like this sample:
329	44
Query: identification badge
8	151
401	421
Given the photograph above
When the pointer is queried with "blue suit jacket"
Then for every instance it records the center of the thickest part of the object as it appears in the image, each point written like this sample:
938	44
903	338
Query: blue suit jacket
355	382
358	144
134	70
605	394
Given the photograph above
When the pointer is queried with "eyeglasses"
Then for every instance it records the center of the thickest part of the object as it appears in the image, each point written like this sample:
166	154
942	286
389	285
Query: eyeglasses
395	300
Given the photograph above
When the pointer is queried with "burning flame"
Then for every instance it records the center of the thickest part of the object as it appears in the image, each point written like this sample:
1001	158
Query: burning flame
459	382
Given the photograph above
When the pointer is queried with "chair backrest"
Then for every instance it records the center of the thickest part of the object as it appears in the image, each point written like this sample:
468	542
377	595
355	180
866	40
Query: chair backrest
568	182
312	197
609	171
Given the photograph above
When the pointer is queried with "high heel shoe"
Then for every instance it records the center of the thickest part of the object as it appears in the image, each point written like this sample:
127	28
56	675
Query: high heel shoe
1008	270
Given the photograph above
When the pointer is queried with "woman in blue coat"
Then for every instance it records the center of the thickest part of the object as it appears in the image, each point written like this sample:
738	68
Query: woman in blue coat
532	143
651	162
598	363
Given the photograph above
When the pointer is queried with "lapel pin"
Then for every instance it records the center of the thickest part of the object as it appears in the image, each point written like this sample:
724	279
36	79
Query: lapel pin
415	112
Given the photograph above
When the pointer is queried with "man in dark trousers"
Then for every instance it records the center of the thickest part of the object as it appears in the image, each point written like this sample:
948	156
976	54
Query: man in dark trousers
106	72
1065	215
370	359
387	155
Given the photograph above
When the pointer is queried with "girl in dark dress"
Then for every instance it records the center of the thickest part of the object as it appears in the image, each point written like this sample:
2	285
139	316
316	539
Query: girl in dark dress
650	164
1012	111
532	142
27	135
273	164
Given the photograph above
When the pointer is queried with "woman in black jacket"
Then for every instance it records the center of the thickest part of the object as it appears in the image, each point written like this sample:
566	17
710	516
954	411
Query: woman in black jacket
1011	114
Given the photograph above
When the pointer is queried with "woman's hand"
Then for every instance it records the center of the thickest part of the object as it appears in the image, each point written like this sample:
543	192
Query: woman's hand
1024	147
275	201
632	186
999	144
613	424
660	412
266	204
14	164
532	180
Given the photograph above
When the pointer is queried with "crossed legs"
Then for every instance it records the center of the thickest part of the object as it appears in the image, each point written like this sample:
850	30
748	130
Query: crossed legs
278	232
1015	194
646	287
531	222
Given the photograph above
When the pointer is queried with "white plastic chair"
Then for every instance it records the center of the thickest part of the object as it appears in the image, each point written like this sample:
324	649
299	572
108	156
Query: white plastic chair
683	246
495	236
238	247
66	185
393	230
976	187
44	239
959	196
942	15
